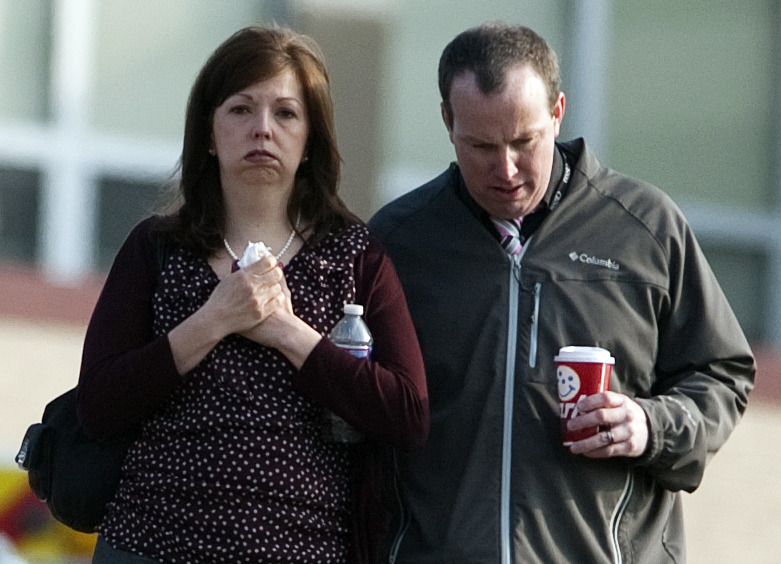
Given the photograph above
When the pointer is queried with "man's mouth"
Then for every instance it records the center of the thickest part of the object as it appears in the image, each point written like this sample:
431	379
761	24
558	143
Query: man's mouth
508	190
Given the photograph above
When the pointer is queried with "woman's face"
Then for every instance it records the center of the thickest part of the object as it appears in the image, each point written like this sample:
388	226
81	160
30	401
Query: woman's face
259	134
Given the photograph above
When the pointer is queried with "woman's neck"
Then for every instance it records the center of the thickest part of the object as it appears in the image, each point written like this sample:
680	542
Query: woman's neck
269	225
254	212
272	229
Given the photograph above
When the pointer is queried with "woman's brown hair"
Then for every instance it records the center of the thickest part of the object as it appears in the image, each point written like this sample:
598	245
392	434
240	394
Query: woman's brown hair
249	56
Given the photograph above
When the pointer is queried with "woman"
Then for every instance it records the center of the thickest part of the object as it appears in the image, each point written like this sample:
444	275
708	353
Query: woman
227	372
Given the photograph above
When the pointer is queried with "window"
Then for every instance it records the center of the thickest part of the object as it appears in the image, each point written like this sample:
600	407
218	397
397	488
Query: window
19	199
121	205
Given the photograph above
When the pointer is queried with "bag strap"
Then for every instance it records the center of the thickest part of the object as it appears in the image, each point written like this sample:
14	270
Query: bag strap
163	249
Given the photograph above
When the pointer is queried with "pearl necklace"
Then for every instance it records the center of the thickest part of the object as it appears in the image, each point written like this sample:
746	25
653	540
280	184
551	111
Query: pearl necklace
276	256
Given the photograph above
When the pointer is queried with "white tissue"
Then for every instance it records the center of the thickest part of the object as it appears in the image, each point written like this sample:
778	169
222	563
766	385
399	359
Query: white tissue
253	253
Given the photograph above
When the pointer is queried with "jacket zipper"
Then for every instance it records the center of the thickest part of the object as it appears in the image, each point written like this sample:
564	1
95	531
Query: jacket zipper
403	521
535	326
509	391
618	514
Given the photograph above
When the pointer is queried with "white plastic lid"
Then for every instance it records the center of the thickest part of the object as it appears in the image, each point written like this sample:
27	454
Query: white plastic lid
353	309
584	354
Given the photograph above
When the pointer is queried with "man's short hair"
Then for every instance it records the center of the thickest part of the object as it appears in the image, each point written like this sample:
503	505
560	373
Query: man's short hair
489	51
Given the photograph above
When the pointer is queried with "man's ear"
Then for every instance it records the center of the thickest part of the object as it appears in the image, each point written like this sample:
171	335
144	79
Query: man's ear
448	119
558	112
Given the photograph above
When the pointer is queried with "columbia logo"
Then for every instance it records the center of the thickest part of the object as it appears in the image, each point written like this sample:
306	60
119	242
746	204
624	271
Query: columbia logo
584	258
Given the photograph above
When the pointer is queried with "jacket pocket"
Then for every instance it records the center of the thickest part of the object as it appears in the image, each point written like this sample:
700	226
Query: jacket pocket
535	325
672	538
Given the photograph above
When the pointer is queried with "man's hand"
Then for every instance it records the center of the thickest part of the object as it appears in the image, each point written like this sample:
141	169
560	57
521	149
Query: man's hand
625	419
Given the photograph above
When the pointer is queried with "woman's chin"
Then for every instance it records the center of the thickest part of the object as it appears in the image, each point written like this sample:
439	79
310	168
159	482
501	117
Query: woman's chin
263	175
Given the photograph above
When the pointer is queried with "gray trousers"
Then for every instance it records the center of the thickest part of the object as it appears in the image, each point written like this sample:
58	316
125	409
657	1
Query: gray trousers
106	554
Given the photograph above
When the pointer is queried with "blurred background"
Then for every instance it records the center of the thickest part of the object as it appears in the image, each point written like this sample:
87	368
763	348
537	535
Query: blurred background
685	95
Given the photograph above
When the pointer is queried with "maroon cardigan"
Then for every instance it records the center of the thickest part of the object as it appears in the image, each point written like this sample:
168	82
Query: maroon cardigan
127	372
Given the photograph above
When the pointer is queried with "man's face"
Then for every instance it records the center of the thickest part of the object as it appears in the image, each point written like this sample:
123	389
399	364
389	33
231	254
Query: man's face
504	142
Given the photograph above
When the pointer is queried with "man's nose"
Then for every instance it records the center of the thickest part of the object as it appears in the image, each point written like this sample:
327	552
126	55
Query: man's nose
508	163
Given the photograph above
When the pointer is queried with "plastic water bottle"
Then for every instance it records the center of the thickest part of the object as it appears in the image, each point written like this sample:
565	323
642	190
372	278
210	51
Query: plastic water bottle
352	335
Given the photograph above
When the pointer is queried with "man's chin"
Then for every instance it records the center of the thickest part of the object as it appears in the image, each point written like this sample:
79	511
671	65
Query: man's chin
507	206
507	212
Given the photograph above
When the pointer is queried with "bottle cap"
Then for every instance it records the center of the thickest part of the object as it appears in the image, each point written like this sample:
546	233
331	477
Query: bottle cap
353	309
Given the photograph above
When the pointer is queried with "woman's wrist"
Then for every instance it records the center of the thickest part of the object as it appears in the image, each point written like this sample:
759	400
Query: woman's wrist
297	341
193	339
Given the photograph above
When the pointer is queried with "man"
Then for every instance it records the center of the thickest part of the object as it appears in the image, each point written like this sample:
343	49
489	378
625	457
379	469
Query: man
522	247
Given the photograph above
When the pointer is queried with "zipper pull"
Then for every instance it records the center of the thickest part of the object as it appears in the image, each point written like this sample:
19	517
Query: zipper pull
516	266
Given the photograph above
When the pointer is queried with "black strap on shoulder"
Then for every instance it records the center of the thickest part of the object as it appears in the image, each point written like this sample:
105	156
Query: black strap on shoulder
163	246
163	252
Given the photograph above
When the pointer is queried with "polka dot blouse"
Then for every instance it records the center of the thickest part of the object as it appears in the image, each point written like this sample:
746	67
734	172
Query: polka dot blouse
231	467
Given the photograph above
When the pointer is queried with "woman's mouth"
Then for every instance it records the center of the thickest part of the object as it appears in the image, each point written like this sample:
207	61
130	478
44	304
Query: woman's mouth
258	155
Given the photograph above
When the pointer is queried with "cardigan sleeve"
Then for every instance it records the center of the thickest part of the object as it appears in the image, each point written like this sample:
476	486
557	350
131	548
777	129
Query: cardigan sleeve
385	397
126	372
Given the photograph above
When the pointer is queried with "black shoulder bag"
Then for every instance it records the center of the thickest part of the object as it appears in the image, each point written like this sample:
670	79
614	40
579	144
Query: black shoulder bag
74	474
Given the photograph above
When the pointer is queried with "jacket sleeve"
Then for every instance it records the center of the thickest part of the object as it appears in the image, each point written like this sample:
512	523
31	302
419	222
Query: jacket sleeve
126	372
385	398
704	370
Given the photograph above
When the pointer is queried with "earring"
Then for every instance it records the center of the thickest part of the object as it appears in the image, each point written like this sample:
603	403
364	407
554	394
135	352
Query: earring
212	152
305	159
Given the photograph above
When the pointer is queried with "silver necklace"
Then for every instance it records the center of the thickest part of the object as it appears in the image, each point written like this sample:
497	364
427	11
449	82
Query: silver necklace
276	256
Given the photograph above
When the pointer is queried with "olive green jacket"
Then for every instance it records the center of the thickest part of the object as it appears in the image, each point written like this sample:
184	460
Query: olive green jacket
614	265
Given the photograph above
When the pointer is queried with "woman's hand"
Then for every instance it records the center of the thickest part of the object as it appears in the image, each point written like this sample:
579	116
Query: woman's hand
284	330
241	300
246	297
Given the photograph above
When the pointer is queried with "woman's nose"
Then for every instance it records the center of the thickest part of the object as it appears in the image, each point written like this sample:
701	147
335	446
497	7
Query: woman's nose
261	127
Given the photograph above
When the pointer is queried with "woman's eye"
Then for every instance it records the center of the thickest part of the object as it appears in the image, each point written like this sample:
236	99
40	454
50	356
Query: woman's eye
286	113
239	110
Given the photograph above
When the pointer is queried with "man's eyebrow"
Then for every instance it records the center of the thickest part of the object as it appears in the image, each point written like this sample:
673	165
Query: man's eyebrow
473	139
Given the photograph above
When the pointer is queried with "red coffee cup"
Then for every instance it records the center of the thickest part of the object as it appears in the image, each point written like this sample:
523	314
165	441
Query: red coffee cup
580	371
